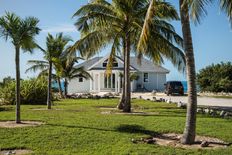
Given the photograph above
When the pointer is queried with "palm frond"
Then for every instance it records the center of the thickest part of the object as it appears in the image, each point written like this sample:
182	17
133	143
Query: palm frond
226	5
197	9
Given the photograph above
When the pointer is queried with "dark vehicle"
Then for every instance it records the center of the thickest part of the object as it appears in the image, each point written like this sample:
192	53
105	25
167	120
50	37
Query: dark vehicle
174	87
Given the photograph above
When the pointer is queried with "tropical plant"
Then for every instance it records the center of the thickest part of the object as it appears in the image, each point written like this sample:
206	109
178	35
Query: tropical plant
6	80
67	70
42	66
196	10
33	91
120	23
21	32
220	82
55	46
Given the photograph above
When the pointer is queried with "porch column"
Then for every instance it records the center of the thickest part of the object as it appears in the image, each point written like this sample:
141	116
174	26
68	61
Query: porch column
99	82
132	84
94	82
119	83
116	82
91	83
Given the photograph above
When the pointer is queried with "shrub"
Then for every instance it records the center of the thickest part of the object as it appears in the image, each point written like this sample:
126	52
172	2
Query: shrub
33	91
216	78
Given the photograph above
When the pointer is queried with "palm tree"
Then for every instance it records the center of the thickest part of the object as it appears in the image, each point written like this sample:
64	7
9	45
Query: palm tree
21	32
42	66
119	23
67	70
55	46
196	10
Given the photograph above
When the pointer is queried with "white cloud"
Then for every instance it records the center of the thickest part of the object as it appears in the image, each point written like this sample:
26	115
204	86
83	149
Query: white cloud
60	28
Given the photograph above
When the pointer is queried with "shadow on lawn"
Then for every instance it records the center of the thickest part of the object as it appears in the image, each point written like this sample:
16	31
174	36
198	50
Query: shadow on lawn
126	128
6	109
135	129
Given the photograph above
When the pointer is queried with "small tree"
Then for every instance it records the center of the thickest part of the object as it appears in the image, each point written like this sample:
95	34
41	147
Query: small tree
21	32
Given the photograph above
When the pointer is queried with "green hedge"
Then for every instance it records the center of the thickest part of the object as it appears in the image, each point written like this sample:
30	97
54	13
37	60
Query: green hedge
216	78
33	91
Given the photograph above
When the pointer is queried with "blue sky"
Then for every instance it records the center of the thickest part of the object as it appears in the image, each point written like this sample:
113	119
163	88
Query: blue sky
212	38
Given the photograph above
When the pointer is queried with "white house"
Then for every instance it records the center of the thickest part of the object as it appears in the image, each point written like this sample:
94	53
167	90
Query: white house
150	76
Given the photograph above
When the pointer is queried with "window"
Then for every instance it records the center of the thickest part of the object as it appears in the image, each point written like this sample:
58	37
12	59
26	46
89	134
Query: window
145	77
109	81
81	79
104	64
115	63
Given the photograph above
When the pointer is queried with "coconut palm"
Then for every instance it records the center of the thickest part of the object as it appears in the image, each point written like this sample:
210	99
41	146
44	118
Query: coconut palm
55	46
42	66
194	9
189	133
67	70
21	33
119	24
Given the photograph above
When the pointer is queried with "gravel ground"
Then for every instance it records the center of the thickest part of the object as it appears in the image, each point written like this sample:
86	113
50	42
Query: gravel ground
203	101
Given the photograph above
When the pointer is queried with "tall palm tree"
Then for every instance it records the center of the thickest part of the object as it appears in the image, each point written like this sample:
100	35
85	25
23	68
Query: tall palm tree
55	46
119	24
67	70
189	133
21	32
194	9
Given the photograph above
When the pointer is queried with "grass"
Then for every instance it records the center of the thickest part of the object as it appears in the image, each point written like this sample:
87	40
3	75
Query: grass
226	97
78	127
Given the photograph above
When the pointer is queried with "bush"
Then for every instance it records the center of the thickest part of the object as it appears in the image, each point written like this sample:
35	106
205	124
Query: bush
33	91
216	78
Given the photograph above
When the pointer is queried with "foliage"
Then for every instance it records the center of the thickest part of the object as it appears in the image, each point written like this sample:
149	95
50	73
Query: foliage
6	80
216	78
78	127
103	23
65	66
21	32
33	91
133	76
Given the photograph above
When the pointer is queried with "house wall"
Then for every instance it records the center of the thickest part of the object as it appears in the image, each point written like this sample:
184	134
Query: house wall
156	81
75	86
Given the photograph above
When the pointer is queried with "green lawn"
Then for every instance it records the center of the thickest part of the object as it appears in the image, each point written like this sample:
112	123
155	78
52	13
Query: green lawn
78	127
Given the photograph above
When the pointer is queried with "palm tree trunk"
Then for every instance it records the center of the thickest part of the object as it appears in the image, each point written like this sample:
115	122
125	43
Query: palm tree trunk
49	102
122	99
17	63
190	126
60	88
127	84
65	87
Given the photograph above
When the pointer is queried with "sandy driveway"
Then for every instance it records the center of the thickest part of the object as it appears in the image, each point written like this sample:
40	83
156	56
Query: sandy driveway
208	101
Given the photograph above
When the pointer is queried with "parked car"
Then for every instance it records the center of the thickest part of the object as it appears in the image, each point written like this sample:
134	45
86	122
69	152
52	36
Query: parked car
174	87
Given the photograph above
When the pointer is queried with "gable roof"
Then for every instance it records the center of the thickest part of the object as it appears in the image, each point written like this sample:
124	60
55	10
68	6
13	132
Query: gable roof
146	65
88	63
98	64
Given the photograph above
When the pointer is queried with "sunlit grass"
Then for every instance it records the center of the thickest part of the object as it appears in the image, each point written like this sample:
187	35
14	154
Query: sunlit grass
79	127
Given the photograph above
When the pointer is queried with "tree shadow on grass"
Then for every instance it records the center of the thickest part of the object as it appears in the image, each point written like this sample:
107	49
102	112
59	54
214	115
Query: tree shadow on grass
127	128
5	109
